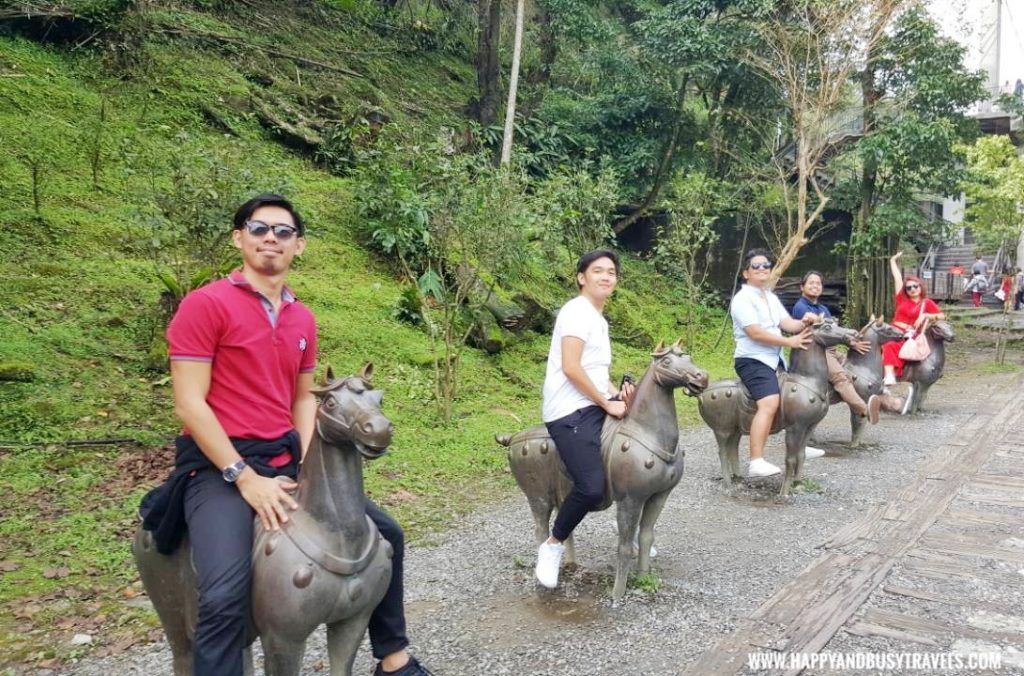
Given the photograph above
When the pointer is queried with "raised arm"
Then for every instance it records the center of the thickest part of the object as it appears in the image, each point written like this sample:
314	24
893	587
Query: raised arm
897	274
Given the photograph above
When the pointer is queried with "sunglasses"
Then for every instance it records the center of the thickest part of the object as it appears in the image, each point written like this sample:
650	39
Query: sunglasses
282	231
760	266
908	287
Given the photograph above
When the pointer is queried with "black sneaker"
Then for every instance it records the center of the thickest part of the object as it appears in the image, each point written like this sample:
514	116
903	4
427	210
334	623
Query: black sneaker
411	668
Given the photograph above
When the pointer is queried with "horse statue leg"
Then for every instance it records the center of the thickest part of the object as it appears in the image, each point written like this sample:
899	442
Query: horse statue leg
541	507
343	639
856	428
282	656
628	518
651	511
796	444
920	392
728	454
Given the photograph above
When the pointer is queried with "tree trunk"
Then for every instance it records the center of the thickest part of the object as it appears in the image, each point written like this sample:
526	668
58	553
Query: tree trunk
510	109
664	166
548	46
487	74
861	301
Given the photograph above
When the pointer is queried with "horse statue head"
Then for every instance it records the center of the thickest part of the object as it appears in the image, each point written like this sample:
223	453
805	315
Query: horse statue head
828	332
671	368
941	330
350	412
885	332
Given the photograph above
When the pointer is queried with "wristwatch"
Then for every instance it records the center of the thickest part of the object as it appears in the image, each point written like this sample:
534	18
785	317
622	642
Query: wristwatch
232	472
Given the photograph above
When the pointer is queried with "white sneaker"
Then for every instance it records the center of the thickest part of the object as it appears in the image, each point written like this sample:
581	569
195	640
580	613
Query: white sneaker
909	400
549	561
812	452
889	380
762	467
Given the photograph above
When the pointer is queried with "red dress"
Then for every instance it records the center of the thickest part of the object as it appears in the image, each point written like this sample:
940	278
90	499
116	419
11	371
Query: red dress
907	312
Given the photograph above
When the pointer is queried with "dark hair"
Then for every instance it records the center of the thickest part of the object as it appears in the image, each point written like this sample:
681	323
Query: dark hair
807	275
588	258
268	199
754	253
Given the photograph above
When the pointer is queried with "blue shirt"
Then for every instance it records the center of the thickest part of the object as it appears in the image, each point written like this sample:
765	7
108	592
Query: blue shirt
751	306
803	306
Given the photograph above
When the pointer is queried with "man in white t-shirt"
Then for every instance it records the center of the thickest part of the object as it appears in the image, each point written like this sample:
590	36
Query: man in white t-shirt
758	319
578	394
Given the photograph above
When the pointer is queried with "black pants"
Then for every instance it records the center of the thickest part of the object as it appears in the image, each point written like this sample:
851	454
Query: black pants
220	526
578	438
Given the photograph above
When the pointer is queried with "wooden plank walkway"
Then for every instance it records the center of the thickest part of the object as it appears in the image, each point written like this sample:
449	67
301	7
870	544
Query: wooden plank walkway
967	505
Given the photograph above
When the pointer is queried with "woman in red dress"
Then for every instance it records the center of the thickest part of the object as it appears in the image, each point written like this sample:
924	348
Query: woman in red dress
913	308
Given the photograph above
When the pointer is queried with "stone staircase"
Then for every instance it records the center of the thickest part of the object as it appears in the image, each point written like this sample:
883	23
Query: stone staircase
987	318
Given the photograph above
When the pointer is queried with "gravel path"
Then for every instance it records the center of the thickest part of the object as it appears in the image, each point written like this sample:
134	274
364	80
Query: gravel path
474	608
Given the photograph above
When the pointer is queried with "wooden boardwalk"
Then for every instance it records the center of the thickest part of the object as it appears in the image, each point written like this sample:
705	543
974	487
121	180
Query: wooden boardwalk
939	547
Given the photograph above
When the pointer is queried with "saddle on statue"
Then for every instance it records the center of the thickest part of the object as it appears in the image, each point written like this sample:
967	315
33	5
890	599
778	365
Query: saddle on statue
531	447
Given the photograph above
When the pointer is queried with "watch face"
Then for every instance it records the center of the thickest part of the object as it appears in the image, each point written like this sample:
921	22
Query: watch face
233	472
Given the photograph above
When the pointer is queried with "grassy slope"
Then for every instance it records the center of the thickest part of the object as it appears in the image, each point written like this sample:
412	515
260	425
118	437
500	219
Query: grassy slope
77	299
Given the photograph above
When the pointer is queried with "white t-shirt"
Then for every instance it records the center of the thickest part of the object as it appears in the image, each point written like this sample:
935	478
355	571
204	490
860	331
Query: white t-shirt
580	319
752	305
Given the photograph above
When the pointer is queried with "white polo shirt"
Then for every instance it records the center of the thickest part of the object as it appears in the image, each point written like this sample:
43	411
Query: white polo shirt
580	319
752	305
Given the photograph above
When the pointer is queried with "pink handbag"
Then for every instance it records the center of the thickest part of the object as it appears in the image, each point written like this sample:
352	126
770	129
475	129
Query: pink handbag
916	347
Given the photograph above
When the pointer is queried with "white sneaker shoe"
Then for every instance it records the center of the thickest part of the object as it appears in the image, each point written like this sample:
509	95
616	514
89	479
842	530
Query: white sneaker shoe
762	467
549	561
889	380
909	400
812	452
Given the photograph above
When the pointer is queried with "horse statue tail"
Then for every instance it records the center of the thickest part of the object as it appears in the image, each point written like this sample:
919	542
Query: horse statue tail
503	439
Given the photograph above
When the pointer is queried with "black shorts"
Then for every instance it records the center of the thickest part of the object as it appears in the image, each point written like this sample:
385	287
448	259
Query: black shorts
760	380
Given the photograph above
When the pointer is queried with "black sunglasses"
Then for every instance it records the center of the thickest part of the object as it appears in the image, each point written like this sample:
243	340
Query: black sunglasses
761	266
908	287
282	231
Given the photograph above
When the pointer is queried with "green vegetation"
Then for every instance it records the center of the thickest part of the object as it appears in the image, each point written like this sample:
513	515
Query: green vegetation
130	130
649	583
92	164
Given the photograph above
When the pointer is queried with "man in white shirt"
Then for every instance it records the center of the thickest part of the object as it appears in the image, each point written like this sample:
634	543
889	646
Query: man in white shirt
758	319
578	395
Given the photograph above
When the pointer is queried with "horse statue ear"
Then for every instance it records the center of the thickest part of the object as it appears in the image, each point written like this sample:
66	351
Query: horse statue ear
678	345
326	383
659	349
366	373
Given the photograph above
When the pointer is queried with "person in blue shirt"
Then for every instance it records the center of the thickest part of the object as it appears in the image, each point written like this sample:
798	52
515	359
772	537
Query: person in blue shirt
811	287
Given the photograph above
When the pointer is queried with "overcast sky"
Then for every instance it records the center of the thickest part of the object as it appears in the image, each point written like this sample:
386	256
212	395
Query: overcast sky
972	22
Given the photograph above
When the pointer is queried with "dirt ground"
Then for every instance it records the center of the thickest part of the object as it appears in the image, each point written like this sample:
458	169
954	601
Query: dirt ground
473	606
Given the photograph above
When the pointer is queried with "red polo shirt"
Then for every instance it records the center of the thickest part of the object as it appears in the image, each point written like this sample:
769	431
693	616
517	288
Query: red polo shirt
256	355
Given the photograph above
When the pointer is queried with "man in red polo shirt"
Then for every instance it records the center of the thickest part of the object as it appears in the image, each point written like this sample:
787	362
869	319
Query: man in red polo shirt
243	350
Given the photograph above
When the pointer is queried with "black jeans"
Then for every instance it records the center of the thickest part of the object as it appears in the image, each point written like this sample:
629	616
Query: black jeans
220	526
578	438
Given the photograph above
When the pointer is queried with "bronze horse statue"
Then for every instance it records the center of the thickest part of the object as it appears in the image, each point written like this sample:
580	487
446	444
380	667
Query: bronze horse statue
641	457
865	370
727	408
923	374
327	565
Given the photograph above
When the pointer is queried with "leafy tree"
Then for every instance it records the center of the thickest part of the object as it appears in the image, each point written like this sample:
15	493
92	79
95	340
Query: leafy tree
456	226
915	92
809	50
994	187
